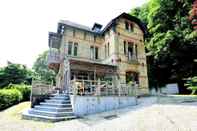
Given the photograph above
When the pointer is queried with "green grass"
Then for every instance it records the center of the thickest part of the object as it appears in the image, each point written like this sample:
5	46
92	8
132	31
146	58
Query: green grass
11	119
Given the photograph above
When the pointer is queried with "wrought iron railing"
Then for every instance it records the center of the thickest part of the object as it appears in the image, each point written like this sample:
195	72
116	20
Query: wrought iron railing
101	88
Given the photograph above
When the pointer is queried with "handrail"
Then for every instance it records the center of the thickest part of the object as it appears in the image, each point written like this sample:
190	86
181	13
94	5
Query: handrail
101	88
41	88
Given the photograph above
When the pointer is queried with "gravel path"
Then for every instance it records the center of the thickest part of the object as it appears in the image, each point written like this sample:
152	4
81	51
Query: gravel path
146	116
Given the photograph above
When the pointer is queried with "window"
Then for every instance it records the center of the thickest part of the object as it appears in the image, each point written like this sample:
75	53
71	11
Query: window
70	48
130	51
75	49
74	33
85	34
126	25
96	52
94	38
136	51
125	47
91	52
108	49
131	27
105	51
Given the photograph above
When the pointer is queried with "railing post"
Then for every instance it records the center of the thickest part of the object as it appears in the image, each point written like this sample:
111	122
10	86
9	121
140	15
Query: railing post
119	89
83	87
75	88
98	90
135	91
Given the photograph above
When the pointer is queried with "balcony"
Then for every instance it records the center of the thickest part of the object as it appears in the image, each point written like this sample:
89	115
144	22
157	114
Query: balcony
54	40
132	60
53	59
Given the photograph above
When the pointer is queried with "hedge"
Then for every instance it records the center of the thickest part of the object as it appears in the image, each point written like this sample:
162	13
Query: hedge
24	89
9	97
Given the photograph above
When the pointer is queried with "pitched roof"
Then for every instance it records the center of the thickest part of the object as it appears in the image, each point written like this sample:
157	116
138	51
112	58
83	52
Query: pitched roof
109	25
129	17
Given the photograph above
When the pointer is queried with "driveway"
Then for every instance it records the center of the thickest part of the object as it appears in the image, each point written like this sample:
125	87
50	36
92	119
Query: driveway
148	115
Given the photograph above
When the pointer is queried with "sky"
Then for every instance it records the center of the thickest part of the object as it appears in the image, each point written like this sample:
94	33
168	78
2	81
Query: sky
24	24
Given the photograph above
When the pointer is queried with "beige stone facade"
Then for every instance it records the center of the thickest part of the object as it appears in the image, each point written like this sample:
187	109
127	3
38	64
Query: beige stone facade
120	45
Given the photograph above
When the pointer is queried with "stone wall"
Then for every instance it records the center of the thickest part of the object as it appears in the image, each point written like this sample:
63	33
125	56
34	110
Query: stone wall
83	105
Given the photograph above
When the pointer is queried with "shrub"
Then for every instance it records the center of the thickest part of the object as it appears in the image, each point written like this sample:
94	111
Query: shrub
9	97
24	89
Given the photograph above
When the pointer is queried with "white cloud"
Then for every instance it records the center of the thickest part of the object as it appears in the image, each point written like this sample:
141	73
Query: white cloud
24	24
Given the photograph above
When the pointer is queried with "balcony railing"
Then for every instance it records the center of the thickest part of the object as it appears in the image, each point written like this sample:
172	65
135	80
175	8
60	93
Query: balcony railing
132	60
53	57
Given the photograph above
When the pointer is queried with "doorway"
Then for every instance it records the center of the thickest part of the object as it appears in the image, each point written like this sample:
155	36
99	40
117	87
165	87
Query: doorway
132	77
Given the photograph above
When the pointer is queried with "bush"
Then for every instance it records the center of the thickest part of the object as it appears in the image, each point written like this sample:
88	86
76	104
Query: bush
24	89
9	97
192	84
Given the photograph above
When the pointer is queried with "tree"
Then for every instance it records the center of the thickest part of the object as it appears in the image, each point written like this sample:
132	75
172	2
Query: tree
15	74
41	69
171	43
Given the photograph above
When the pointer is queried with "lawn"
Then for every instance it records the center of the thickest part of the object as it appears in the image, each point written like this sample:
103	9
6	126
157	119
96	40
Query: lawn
11	120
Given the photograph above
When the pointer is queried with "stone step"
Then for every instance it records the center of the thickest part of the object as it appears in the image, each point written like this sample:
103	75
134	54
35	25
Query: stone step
64	95
57	109
55	104
59	98
48	108
46	118
50	114
58	101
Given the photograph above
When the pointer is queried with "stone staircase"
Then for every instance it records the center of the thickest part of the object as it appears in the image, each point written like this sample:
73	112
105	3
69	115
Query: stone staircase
56	108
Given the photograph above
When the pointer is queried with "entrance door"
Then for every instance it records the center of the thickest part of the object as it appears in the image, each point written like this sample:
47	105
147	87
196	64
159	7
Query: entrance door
132	77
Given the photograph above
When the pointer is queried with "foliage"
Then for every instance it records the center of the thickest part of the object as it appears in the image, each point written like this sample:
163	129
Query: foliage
192	84
141	13
171	42
16	74
24	89
9	97
41	69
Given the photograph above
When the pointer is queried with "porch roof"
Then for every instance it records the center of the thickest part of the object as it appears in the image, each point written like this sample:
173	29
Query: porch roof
92	66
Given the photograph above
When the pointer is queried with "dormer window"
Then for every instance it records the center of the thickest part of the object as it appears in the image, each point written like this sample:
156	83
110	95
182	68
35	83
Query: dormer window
97	27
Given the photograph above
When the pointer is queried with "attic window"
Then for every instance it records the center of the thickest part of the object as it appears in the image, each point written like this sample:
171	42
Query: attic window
126	25
129	26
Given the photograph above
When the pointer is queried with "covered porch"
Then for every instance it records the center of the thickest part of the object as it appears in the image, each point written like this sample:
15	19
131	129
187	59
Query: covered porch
96	79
